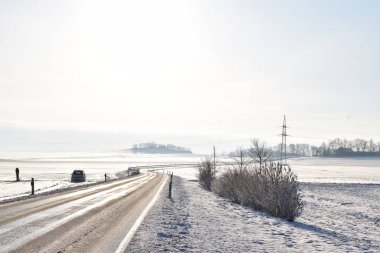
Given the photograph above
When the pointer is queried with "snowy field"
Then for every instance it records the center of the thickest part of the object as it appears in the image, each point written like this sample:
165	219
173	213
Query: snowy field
52	171
337	218
323	170
341	213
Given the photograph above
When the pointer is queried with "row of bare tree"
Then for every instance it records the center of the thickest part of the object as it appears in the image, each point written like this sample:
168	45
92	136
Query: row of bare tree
357	145
258	153
329	148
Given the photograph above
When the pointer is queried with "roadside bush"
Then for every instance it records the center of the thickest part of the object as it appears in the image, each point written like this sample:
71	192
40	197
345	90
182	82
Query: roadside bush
269	187
227	186
206	173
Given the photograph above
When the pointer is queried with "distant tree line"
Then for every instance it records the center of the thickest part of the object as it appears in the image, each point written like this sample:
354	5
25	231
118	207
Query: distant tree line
337	147
154	148
348	147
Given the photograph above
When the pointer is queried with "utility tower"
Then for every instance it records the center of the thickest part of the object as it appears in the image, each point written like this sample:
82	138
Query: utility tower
214	156
283	142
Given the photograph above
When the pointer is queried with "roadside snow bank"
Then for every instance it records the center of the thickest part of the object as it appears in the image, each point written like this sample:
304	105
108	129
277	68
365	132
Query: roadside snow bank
337	218
10	190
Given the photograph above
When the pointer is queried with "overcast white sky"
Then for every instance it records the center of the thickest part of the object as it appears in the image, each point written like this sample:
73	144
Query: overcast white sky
187	71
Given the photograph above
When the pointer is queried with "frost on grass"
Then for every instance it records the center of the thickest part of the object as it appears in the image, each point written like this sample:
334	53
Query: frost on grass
206	174
166	227
336	218
270	187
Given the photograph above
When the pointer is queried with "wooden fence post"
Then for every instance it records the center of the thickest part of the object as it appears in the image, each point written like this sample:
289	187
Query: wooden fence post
170	186
32	184
170	189
17	175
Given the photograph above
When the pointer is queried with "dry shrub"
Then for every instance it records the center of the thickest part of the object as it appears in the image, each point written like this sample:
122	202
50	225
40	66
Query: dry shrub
206	174
271	188
227	185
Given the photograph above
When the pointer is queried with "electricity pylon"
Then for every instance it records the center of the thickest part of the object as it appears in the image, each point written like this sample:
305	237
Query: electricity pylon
283	142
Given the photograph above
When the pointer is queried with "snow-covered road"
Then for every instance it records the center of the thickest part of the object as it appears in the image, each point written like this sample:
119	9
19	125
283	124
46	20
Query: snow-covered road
96	219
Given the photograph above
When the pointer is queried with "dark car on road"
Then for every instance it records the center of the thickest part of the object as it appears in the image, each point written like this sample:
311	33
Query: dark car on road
78	176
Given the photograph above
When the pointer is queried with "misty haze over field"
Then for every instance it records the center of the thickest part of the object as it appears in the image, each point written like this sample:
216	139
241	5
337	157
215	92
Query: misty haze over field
96	75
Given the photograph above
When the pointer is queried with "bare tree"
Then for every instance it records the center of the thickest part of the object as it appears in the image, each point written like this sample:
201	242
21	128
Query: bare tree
240	158
259	152
371	146
364	145
292	148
